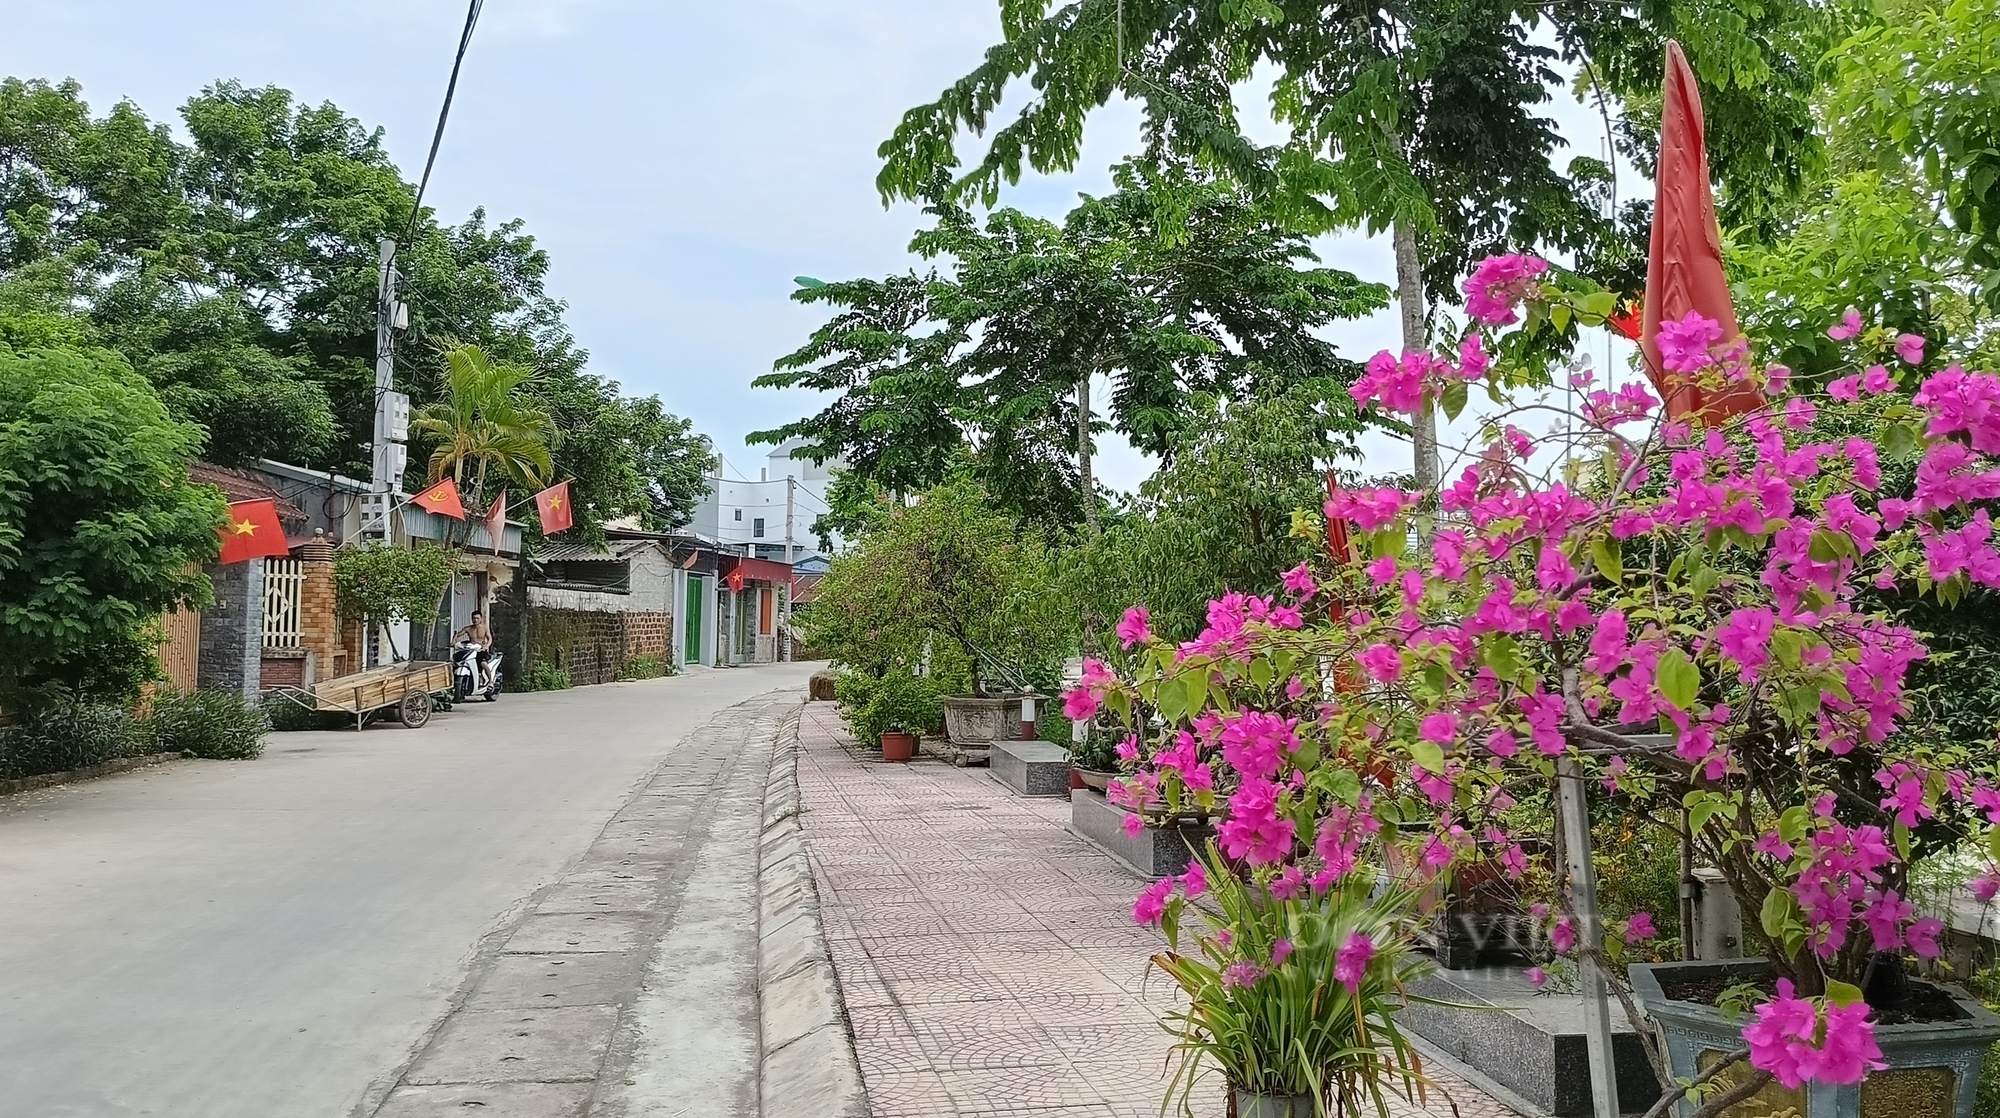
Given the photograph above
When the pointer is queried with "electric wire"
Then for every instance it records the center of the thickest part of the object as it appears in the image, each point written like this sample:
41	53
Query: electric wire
444	113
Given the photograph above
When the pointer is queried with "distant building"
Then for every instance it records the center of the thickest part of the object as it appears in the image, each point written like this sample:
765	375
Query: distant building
762	515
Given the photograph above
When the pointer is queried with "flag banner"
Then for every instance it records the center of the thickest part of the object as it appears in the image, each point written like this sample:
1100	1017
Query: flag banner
553	504
1684	272
496	521
442	499
253	532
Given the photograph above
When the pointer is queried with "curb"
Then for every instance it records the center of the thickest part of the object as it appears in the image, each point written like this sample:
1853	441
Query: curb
88	772
806	1064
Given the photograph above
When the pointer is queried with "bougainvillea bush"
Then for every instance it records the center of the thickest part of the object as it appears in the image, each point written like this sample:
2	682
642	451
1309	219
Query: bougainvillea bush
1685	611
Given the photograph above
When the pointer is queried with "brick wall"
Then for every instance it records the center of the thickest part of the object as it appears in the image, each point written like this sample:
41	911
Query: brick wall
232	630
281	670
593	646
319	623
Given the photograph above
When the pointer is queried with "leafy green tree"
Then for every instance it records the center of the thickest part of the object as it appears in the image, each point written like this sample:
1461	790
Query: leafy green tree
483	420
1216	517
1424	118
949	581
237	272
1168	288
100	529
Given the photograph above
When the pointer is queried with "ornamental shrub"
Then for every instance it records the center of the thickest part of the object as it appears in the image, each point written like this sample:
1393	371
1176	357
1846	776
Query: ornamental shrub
215	725
1685	611
67	733
897	700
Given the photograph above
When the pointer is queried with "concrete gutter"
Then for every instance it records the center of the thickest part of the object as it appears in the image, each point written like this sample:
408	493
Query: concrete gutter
807	1067
88	772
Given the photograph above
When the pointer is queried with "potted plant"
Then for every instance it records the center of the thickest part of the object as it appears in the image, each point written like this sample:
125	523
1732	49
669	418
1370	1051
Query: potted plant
1291	993
1705	613
890	711
1094	759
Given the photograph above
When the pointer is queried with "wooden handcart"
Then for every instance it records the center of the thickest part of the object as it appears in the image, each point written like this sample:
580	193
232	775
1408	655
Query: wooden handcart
404	689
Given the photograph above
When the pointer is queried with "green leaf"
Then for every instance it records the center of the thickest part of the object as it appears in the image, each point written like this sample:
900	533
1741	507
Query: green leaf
1260	673
1680	680
1427	754
1171	699
1503	655
1346	785
1780	918
1899	441
1841	993
1793	823
1452	399
1604	552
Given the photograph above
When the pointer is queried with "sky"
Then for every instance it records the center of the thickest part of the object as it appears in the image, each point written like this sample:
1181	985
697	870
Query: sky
680	161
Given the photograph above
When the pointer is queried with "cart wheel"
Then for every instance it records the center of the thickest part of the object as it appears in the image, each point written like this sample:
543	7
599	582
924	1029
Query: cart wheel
415	709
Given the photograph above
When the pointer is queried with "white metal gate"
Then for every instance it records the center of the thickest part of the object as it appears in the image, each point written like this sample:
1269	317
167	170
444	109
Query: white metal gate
284	581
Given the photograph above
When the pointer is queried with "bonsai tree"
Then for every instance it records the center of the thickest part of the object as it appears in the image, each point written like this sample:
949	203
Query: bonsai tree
1692	613
945	580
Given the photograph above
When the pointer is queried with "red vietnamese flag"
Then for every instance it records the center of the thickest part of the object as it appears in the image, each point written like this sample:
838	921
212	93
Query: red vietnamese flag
553	504
253	532
1684	272
442	499
496	520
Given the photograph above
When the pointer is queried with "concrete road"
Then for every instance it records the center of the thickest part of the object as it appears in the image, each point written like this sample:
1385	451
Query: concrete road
281	937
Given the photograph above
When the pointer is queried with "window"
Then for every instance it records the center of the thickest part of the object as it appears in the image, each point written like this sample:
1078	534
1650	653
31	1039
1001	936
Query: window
757	527
739	514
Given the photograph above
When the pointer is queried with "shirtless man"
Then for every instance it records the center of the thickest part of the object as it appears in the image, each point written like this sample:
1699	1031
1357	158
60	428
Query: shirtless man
477	632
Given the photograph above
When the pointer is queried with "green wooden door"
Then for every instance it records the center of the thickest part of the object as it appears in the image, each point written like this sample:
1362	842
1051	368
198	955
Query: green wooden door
693	636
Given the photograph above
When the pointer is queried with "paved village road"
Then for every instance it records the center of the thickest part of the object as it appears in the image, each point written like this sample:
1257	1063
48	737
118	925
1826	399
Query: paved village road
277	938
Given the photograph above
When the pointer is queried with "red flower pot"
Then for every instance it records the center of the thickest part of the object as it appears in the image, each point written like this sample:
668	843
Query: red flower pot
897	746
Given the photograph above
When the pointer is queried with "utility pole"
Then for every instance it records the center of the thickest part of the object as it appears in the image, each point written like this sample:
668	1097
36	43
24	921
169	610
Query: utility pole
791	507
387	453
1573	812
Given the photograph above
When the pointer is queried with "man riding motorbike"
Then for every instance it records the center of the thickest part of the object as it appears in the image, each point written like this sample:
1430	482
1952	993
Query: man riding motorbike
477	633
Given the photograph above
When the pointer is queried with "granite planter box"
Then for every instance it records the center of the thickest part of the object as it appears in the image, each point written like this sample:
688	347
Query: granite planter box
1526	1046
972	722
1155	851
1031	768
1933	1067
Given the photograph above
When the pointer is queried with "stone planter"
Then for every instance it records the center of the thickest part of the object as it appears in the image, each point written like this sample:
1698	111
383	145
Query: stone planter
1249	1104
1933	1067
1094	780
971	722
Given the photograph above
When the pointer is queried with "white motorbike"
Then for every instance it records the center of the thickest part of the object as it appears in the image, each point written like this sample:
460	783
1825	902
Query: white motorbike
472	674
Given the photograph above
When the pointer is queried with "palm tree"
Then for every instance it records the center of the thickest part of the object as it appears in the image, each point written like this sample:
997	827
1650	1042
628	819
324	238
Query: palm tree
483	420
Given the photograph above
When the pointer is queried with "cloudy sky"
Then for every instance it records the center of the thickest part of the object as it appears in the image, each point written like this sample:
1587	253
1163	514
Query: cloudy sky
681	161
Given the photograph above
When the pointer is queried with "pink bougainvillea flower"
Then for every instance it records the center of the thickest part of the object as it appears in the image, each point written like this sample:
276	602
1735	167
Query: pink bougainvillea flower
1780	1037
1133	825
1299	580
1685	345
1280	951
1922	937
1498	285
1746	639
1473	360
1441	727
1562	936
1381	661
1152	903
1877	380
1195	881
1849	1051
1845	389
1640	927
1772	845
1128	750
1537	977
1080	705
1986	886
1136	627
1910	347
1350	963
1847	328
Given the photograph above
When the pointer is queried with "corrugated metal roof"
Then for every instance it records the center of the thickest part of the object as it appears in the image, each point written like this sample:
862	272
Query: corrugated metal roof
242	485
585	553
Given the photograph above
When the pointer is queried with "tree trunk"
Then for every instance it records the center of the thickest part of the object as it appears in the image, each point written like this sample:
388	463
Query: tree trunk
1410	292
1084	476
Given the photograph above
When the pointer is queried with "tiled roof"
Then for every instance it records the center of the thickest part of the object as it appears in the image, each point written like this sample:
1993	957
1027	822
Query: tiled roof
242	485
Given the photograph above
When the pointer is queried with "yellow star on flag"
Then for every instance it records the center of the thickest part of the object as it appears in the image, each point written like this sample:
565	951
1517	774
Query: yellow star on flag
244	528
555	502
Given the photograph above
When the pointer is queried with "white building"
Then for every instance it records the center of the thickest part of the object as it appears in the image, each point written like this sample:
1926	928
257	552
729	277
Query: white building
769	516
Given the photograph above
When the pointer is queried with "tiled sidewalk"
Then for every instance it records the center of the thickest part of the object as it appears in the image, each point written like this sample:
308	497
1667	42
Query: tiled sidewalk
987	955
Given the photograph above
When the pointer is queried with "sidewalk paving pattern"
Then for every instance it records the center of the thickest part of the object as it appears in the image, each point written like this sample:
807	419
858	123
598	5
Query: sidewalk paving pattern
987	955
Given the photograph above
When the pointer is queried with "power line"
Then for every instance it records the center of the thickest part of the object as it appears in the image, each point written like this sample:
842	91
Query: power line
444	112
